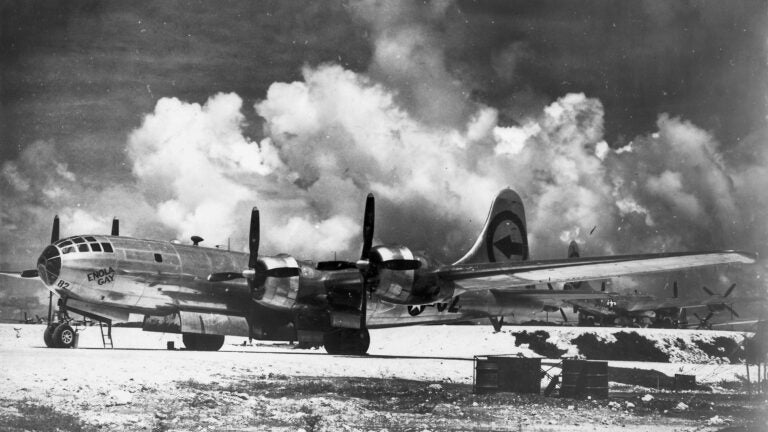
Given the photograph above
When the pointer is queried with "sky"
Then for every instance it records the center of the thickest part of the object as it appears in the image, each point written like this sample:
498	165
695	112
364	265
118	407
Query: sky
629	127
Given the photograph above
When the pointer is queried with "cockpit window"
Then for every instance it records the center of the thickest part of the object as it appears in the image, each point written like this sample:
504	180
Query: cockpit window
90	239
83	247
68	249
78	240
107	247
95	247
65	243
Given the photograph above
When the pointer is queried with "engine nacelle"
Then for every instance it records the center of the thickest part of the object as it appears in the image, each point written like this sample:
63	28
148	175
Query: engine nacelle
277	281
393	284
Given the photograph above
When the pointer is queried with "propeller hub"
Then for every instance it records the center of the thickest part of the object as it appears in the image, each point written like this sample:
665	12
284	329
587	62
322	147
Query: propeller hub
49	265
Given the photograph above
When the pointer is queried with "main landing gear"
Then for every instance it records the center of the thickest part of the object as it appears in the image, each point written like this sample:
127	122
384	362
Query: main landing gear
202	342
347	341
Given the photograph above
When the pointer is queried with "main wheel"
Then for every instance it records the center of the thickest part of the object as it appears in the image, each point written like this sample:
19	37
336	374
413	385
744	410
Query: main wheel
48	335
63	336
202	342
332	342
347	341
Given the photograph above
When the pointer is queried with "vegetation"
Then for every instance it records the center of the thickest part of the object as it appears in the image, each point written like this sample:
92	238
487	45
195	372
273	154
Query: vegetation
628	346
537	342
34	417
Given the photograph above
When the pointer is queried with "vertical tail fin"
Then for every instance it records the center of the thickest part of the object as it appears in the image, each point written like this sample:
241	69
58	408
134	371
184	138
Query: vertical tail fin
504	236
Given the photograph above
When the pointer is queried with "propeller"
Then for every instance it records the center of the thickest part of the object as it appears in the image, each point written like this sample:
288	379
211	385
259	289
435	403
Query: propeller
704	322
253	239
254	271
733	312
723	305
562	312
115	227
33	273
364	264
55	229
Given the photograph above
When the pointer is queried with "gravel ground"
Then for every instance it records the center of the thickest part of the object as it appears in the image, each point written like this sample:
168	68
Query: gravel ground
275	387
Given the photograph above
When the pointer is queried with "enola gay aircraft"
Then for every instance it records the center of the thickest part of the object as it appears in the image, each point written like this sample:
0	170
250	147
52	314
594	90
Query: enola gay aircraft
206	293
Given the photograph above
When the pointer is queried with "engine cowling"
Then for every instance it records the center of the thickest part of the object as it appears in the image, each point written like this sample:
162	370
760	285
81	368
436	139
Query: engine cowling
277	283
391	281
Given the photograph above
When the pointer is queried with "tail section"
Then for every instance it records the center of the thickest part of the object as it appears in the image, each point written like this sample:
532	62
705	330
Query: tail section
504	237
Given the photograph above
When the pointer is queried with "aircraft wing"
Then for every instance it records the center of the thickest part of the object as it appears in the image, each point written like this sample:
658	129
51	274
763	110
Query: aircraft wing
687	303
545	295
484	276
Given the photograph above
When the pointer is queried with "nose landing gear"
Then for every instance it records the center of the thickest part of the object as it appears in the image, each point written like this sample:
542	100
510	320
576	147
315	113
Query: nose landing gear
59	335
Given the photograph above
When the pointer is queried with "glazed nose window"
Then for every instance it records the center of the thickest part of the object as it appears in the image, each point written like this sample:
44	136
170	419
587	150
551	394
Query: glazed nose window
49	265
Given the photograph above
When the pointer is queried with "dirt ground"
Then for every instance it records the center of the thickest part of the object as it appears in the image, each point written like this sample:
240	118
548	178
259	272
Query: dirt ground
278	402
279	388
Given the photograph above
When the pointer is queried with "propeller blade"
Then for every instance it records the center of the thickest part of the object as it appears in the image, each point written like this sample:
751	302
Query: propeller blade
334	265
573	249
562	312
282	272
401	264
30	274
115	227
253	238
674	289
223	277
550	286
368	219
602	286
730	290
55	229
697	316
731	309
707	290
709	316
363	264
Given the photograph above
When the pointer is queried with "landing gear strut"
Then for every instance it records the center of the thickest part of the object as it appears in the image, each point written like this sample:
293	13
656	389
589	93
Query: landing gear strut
347	341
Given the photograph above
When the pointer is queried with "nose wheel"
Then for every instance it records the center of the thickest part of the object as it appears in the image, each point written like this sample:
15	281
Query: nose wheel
60	335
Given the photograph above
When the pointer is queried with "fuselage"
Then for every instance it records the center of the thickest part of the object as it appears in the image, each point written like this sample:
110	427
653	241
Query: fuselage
127	275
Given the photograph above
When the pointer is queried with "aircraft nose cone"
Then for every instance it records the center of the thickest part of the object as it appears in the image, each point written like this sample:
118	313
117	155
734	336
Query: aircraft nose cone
49	265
